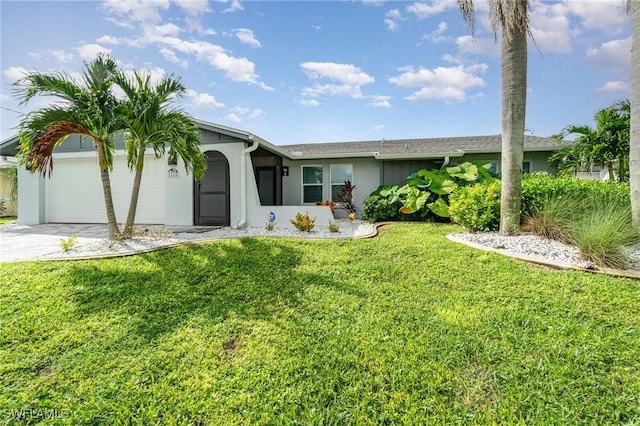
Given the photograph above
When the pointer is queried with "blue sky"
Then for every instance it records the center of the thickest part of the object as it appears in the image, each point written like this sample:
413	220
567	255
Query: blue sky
324	71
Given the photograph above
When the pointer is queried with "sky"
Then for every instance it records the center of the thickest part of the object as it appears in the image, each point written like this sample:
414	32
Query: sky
327	71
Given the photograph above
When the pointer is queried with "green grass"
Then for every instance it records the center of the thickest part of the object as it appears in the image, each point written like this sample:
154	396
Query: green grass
7	219
406	328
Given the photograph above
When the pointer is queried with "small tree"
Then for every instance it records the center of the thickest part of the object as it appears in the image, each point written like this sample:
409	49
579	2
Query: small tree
151	124
84	108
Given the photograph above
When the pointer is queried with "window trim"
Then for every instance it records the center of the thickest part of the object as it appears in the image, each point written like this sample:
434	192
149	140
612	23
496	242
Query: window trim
499	168
321	184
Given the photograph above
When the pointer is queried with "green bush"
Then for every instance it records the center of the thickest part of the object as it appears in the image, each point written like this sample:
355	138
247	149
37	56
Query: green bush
378	208
537	188
476	207
303	222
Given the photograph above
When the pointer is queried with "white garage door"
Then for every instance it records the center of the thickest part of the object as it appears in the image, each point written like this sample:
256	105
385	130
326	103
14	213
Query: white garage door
74	191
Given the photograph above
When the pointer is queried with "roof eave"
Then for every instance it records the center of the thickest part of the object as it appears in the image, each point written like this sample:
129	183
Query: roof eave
419	156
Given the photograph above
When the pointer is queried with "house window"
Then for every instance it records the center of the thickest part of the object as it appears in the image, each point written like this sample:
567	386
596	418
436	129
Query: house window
311	184
527	166
339	174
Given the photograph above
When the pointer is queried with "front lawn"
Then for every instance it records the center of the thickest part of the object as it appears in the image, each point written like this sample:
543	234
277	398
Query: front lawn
405	328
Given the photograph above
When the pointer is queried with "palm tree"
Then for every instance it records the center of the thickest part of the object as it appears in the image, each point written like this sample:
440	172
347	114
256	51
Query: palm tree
86	108
512	18
151	124
634	141
604	146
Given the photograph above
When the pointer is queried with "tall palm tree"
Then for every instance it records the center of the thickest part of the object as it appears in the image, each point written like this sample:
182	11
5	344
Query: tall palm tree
633	7
151	124
512	18
84	108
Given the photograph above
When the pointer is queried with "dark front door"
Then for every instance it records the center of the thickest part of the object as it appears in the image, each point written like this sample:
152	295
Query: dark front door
211	193
266	180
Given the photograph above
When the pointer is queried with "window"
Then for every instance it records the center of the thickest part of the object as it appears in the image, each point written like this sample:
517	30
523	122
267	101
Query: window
527	166
311	184
339	174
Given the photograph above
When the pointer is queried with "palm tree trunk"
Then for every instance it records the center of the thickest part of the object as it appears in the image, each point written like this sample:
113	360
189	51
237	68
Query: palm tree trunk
514	101
114	230
634	140
133	204
612	175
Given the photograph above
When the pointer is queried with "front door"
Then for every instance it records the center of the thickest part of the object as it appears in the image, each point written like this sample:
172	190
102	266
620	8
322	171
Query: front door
211	193
266	181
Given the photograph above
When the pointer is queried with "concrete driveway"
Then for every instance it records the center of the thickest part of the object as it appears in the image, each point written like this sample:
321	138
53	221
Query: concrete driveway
24	242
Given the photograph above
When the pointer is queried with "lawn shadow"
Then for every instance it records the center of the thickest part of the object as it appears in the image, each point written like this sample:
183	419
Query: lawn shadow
157	292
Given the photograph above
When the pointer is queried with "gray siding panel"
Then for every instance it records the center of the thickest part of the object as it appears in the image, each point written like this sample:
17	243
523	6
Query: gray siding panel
396	172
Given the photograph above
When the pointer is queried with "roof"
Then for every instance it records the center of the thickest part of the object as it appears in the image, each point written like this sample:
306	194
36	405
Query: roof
380	149
418	148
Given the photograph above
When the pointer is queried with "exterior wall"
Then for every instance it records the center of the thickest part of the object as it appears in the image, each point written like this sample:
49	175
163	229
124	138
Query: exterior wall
538	160
31	198
395	172
367	175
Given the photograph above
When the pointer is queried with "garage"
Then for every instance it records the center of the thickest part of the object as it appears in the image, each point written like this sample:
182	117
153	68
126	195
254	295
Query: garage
74	191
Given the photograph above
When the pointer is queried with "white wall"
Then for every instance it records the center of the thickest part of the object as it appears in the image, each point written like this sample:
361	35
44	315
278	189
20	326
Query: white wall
31	196
74	192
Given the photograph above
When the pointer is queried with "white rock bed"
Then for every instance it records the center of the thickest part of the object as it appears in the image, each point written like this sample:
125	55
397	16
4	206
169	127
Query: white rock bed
528	244
88	247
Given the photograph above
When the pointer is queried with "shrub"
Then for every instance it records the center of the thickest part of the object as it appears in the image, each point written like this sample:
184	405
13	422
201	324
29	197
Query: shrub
476	207
538	188
67	244
378	208
602	230
303	222
334	227
345	195
329	203
553	217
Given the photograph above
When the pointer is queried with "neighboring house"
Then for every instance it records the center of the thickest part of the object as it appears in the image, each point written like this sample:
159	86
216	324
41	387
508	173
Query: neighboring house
247	179
6	186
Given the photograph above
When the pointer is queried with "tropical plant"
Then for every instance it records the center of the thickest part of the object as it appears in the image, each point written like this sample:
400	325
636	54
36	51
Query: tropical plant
512	18
633	7
605	145
84	108
303	222
345	196
151	124
328	203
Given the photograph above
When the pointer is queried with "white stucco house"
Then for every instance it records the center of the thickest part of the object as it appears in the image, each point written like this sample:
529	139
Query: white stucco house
247	178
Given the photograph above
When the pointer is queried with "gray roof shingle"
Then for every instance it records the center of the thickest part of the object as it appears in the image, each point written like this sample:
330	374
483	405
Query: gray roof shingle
425	146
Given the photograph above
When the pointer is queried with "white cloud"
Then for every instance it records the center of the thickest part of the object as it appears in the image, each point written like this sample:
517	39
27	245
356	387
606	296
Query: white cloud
373	2
246	36
136	10
59	55
88	52
437	34
203	99
447	83
392	19
171	56
607	16
4	97
257	113
423	10
193	7
233	118
107	39
380	101
15	73
551	27
348	79
234	7
309	102
611	54
477	46
613	87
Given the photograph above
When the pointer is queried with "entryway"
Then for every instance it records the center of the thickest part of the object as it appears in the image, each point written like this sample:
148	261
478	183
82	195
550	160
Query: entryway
211	193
